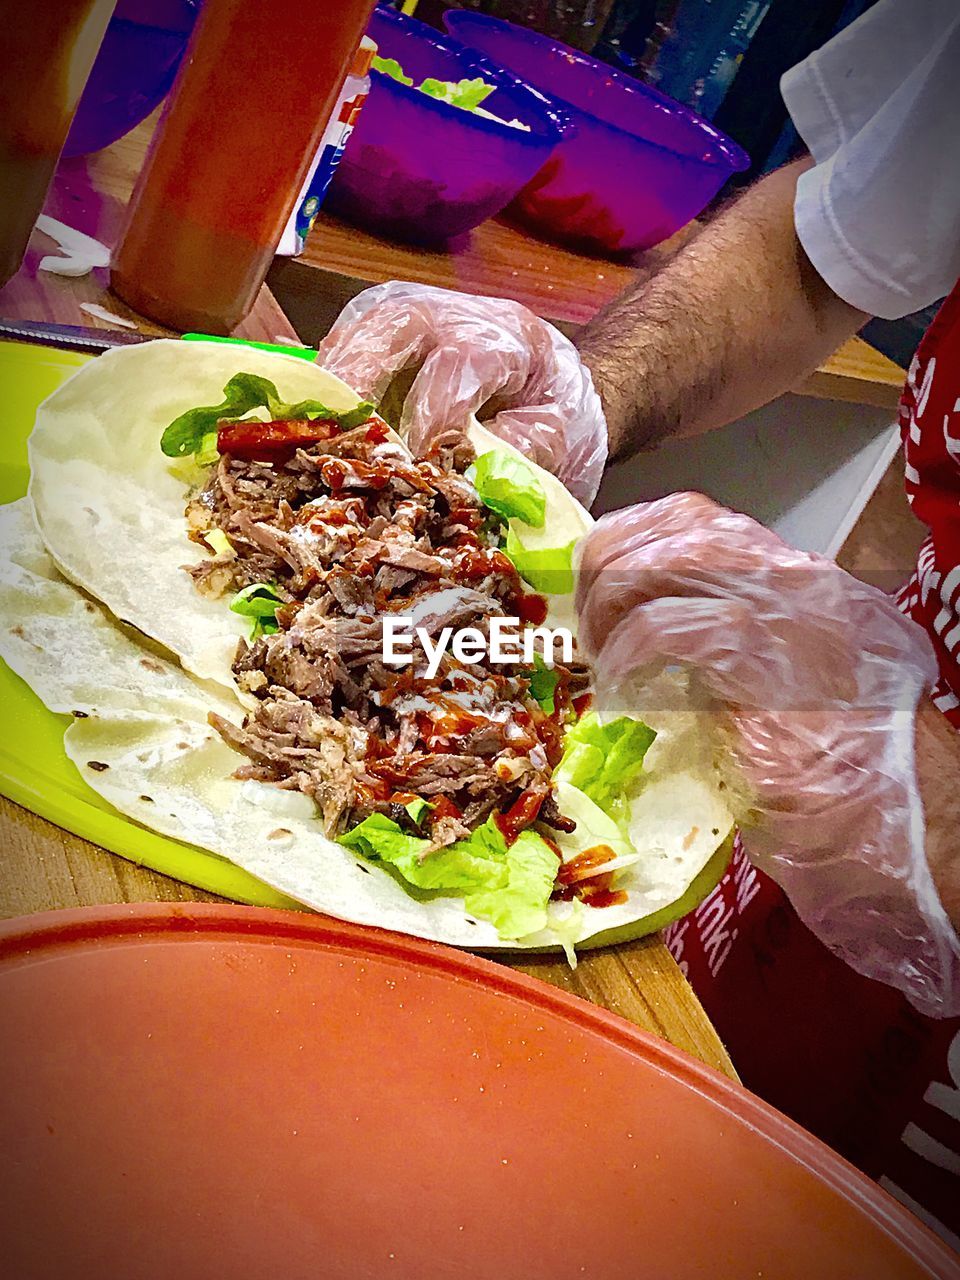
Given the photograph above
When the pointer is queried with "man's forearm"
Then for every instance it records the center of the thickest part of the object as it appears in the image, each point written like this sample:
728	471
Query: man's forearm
736	318
938	768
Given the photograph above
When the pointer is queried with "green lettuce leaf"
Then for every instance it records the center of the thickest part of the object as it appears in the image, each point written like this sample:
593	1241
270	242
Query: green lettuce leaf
594	825
207	453
416	808
466	94
434	88
196	430
602	760
346	419
458	868
521	906
244	391
547	569
392	68
565	923
543	683
509	486
510	887
378	836
259	601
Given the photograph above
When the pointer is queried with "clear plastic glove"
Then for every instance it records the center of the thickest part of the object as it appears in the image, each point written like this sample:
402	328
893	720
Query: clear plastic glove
473	352
814	680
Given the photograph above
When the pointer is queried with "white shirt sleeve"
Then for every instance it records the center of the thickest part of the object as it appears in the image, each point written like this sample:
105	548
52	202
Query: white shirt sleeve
879	108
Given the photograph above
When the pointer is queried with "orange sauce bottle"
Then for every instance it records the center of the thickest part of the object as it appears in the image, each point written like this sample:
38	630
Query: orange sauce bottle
240	130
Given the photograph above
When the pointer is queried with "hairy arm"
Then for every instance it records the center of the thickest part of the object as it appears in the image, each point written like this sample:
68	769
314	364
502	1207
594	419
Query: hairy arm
736	318
938	771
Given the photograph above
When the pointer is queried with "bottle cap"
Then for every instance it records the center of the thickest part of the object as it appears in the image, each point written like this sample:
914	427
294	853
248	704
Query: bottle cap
363	58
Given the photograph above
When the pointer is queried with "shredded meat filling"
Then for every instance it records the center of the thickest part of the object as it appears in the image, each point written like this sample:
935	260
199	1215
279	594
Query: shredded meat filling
348	530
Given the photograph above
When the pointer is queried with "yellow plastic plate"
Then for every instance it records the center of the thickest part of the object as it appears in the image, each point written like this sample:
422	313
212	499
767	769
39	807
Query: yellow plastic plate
34	771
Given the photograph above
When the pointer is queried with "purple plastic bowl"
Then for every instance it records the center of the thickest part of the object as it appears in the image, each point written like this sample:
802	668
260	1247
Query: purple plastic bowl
421	170
636	167
134	70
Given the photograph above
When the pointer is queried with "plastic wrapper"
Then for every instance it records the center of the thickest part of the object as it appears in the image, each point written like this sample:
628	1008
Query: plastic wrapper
488	357
812	681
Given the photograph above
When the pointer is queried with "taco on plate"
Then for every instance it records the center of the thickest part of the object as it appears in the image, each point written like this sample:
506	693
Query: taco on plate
241	510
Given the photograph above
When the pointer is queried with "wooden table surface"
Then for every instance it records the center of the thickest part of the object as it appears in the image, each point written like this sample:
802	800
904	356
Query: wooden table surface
44	868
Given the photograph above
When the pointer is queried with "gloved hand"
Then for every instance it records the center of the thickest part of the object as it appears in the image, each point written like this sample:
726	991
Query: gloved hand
474	352
813	680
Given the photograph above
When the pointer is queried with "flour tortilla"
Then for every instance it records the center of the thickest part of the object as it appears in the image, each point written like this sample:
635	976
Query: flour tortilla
110	509
110	505
145	718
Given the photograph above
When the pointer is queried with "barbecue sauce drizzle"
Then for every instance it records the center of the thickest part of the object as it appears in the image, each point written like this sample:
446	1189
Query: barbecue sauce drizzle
277	442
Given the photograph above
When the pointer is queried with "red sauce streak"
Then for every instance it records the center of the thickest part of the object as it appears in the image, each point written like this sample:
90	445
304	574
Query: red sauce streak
378	432
450	721
333	514
469	517
270	441
403	797
599	897
583	866
520	814
594	890
443	807
386	768
530	608
369	792
376	748
483	561
549	731
582	703
337	471
405	682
